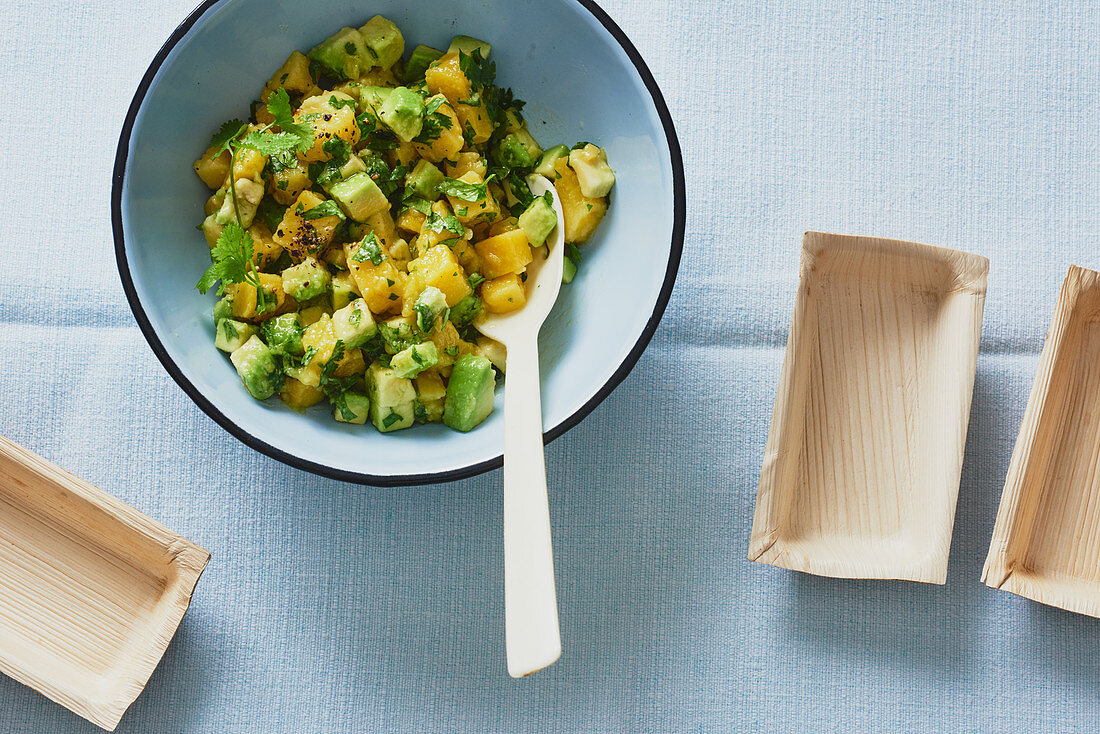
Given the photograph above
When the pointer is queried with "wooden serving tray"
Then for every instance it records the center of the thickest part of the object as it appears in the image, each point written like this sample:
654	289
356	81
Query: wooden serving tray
91	590
1046	542
862	464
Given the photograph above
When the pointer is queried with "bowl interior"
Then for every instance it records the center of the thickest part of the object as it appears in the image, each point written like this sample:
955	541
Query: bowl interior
579	84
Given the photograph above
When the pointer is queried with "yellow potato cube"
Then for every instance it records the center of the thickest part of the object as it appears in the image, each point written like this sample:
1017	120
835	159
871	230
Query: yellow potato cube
506	253
467	161
244	298
444	76
298	396
410	221
485	209
293	75
381	286
249	164
213	169
504	294
450	140
288	184
304	237
432	394
265	249
382	224
476	120
503	225
429	237
321	336
327	122
439	268
582	214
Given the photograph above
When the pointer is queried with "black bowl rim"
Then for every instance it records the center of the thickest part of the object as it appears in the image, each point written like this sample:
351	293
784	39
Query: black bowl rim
395	480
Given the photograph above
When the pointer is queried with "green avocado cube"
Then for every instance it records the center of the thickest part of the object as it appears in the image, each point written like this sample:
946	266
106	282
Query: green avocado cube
223	309
428	307
343	290
383	44
403	112
359	196
357	407
518	149
308	279
410	362
546	162
397	334
425	179
465	311
371	99
568	271
341	54
231	334
538	221
284	334
353	324
256	365
469	393
421	58
467	45
594	176
392	399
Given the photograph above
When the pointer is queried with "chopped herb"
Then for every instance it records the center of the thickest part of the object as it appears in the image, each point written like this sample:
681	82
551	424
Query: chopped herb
281	185
450	351
438	223
333	361
336	103
465	191
573	251
307	358
393	296
390	419
324	209
231	255
294	136
369	249
462	211
435	122
355	318
225	136
229	329
475	280
389	282
350	49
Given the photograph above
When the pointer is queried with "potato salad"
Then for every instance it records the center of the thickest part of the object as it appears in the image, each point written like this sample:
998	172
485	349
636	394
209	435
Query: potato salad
368	213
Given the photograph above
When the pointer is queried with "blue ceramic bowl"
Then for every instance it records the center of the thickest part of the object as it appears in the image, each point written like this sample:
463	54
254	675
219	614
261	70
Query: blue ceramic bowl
582	80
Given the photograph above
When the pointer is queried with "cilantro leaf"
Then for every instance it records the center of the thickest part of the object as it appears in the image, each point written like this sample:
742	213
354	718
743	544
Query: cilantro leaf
465	191
573	252
324	209
390	419
369	249
435	122
333	362
480	71
231	255
225	136
268	143
437	223
336	103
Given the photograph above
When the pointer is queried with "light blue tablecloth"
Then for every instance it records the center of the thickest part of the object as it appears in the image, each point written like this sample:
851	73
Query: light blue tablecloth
331	607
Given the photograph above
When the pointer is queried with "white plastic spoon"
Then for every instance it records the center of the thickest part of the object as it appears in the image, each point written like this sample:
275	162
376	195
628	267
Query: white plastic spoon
532	637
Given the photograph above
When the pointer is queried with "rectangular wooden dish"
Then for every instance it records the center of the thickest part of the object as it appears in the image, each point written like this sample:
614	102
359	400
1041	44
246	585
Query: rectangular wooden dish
862	464
91	590
1046	541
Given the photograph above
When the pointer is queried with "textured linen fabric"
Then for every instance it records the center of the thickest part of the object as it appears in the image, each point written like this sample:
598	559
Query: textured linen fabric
331	607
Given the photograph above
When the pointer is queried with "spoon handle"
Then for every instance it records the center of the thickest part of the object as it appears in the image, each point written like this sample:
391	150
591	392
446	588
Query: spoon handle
532	637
